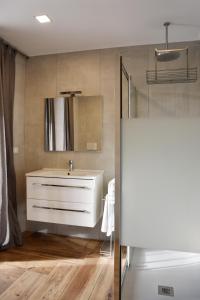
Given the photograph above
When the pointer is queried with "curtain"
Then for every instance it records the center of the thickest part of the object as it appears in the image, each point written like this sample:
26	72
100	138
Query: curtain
59	127
10	234
50	144
69	123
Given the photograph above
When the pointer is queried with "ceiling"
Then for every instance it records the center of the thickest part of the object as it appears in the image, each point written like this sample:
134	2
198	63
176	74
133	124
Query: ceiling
95	24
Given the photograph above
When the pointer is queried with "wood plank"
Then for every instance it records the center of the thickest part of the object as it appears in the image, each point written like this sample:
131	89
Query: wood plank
103	289
94	278
8	275
55	283
23	287
51	267
81	285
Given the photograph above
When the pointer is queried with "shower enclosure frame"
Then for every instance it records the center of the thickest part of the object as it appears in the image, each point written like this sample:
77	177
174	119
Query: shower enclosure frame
118	115
120	70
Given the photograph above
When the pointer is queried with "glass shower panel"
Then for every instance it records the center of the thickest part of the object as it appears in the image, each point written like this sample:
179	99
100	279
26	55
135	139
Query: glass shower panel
160	171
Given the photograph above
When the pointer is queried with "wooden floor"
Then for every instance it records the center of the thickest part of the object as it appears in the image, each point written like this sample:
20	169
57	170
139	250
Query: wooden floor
51	267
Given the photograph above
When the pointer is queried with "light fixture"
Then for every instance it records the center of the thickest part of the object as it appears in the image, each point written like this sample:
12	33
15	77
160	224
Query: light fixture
43	19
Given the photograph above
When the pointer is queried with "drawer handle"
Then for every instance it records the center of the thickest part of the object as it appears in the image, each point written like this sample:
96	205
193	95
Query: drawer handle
66	186
63	209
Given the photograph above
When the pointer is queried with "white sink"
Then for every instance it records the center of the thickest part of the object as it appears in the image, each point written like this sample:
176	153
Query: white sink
64	173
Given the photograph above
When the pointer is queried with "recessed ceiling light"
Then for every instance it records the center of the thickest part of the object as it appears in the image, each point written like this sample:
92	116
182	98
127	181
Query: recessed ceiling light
43	19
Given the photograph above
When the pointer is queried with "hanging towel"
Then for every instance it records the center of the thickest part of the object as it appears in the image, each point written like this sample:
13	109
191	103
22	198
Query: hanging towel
111	188
109	213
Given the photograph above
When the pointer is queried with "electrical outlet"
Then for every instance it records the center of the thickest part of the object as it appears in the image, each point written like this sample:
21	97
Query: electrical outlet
165	290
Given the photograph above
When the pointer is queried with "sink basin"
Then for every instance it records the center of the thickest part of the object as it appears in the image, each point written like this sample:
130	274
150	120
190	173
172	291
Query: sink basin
64	173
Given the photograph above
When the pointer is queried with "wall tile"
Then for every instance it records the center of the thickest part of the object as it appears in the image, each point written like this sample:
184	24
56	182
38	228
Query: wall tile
79	71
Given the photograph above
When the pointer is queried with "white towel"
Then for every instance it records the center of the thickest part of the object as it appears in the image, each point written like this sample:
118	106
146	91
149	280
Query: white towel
111	188
108	221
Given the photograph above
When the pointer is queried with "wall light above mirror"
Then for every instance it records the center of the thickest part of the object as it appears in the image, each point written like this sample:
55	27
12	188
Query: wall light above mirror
73	123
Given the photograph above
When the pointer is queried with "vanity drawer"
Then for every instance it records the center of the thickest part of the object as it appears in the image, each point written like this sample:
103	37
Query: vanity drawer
61	189
77	214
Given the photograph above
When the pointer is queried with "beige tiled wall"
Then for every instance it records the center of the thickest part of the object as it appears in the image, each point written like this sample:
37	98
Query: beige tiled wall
93	73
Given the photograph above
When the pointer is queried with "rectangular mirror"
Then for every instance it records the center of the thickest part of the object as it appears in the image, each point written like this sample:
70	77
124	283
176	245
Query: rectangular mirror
73	123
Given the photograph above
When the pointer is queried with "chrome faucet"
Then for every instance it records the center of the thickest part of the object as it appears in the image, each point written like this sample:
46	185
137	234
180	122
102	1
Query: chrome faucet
70	165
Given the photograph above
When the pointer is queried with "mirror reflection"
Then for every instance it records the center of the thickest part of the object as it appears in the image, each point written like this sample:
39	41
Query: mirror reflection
73	123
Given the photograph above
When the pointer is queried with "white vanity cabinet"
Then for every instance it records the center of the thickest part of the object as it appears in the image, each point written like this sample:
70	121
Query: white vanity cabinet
61	197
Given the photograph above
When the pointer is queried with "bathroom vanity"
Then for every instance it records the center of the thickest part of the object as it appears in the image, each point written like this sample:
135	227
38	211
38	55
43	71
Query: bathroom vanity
63	197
